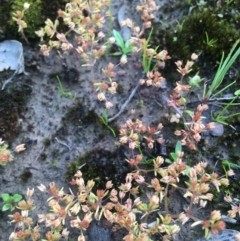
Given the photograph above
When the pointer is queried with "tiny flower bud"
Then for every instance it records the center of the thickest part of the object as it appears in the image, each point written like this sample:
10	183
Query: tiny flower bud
30	192
197	223
192	173
204	187
1	141
150	145
109	206
122	194
230	172
20	148
78	174
194	56
26	6
108	104
132	111
65	233
224	181
154	200
228	199
175	229
159	160
101	97
101	35
209	196
137	29
139	179
109	185
42	188
111	40
132	145
147	24
183	218
132	217
178	133
232	213
139	158
149	82
215	215
219	225
137	201
123	59
100	193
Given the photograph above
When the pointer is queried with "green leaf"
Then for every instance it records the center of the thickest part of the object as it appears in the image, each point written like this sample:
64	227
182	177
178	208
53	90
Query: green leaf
127	49
5	197
178	147
168	160
119	39
229	164
116	54
145	59
105	116
186	171
6	207
222	70
17	197
189	112
237	92
128	46
174	156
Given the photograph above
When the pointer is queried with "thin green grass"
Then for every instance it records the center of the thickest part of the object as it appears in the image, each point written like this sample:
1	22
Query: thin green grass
221	72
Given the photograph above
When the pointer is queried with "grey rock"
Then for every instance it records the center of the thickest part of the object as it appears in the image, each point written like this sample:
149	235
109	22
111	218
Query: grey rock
218	130
225	235
96	232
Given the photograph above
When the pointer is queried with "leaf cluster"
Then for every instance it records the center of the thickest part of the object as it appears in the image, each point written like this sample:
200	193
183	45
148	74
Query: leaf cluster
10	201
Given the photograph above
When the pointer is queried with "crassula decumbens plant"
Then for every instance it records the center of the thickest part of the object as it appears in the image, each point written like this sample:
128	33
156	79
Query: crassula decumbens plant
6	155
123	206
86	34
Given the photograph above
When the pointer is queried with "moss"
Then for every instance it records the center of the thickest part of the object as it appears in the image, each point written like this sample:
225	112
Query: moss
46	141
120	89
43	156
12	101
32	16
80	114
190	35
100	165
35	16
25	176
230	140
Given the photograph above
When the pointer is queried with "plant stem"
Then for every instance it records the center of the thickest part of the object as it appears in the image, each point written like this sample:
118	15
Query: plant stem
126	103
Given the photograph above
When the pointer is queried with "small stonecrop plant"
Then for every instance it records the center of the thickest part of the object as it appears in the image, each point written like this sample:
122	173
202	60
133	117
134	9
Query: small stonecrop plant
132	132
123	206
191	135
10	201
85	21
193	123
18	17
6	154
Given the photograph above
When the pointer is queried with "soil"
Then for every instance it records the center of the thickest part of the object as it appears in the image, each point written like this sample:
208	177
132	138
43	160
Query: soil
59	130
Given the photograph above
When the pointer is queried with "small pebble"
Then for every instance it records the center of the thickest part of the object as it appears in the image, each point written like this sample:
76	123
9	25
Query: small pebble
121	72
218	130
225	235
